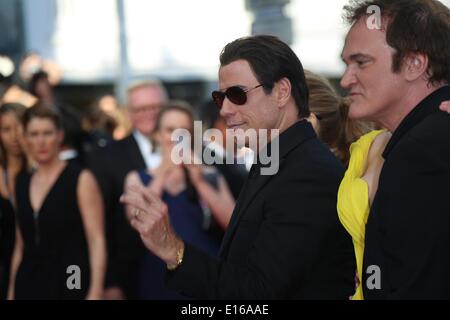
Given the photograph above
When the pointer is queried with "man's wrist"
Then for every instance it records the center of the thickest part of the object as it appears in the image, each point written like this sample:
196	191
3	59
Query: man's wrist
177	257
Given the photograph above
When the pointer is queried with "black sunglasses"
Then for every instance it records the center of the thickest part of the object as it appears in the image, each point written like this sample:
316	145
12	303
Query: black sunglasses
235	94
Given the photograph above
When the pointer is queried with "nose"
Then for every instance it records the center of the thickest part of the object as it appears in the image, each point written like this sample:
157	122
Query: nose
348	78
15	134
40	140
228	108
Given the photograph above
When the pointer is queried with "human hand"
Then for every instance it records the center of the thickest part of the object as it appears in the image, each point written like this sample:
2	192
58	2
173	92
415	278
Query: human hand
195	173
151	219
194	168
165	169
445	106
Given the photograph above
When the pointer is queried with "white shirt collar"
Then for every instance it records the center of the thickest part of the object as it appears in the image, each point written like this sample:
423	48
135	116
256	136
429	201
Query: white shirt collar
244	155
143	142
68	154
151	156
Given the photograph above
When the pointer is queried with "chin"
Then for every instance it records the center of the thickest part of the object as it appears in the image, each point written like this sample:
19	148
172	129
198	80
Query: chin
356	112
16	152
146	132
43	159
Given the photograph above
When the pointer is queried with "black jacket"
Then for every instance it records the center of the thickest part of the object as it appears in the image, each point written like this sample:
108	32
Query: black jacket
110	166
284	240
408	230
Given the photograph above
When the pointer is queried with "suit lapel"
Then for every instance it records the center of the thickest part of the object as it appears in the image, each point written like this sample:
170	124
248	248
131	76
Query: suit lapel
255	182
252	186
428	106
135	154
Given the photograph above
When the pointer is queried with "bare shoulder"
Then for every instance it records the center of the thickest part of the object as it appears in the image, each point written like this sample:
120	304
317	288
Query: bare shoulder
379	144
86	180
382	139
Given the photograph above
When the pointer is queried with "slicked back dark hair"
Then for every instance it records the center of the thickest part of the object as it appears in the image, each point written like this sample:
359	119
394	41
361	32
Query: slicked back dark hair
412	26
271	60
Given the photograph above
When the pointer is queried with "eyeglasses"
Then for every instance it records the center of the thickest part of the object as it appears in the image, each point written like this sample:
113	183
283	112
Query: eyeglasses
235	94
150	107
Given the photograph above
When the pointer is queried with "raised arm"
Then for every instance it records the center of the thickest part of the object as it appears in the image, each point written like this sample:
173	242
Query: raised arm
278	261
445	106
220	201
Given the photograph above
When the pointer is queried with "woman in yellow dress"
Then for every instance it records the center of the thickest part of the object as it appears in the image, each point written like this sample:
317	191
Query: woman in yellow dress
358	189
360	149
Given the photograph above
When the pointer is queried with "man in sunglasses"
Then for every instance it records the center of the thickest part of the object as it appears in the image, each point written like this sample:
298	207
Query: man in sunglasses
284	240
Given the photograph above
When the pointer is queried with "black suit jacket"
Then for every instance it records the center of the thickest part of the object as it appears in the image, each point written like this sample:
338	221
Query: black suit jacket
235	174
408	230
284	240
110	166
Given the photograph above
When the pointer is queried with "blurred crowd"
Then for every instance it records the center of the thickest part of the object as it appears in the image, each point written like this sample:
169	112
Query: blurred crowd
63	170
94	205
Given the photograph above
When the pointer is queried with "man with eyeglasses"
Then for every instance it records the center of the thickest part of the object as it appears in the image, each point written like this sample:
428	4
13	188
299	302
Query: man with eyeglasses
284	240
111	165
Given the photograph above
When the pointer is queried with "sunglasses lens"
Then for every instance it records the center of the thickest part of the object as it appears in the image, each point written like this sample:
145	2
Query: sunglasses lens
218	98
236	95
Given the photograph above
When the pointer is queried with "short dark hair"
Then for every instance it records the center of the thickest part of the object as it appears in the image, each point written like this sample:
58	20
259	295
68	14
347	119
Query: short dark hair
42	111
271	60
71	124
412	26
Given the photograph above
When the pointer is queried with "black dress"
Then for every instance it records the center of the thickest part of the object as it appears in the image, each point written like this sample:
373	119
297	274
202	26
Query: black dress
54	242
7	238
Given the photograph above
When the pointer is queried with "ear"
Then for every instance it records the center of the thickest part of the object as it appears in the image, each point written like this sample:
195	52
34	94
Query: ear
415	66
283	91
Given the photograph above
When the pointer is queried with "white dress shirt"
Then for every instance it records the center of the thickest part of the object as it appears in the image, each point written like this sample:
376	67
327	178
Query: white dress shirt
67	155
151	155
243	156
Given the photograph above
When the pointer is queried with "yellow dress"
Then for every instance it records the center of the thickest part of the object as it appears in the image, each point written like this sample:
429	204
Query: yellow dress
353	199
